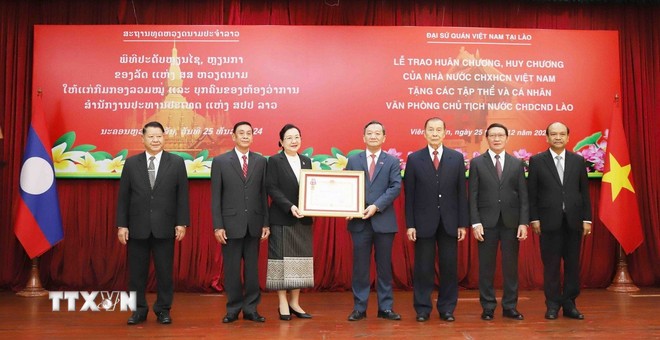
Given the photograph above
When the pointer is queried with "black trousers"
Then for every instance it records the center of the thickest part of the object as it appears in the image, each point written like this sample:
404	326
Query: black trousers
139	254
363	243
241	296
507	239
424	272
557	245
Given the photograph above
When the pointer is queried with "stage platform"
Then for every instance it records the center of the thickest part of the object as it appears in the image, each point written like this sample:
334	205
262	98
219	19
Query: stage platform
196	316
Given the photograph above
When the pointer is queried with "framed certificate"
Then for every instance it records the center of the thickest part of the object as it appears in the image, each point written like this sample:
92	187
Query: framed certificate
331	193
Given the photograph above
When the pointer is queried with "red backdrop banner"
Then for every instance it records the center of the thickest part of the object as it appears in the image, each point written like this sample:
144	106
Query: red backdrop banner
200	80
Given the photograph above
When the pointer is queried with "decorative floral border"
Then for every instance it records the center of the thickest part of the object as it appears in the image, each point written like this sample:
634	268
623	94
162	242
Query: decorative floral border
83	162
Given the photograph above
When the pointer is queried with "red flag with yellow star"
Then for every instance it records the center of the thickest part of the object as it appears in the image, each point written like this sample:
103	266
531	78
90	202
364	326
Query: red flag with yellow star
618	202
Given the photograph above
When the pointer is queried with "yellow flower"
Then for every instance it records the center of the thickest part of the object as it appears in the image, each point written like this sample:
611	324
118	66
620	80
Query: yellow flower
338	163
198	165
316	165
87	164
111	165
65	161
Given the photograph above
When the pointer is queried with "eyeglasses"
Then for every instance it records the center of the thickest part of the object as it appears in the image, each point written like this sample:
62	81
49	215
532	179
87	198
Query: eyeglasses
291	138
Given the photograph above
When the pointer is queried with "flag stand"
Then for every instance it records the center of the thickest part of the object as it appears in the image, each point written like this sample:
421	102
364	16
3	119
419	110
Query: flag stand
622	282
33	287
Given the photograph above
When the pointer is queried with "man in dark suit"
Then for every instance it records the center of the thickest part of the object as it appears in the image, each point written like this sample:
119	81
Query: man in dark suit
152	211
436	215
499	212
378	225
240	218
560	211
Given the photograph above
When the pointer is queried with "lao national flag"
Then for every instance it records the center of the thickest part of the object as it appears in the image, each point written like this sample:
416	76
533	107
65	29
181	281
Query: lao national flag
618	201
38	223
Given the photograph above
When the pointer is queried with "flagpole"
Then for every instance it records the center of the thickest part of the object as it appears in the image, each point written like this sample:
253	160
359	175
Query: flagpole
33	287
622	282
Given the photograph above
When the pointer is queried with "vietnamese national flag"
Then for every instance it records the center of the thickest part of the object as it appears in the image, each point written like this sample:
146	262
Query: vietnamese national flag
618	202
38	223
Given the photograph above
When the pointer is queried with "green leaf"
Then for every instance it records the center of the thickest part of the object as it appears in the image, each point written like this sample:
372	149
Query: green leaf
336	152
308	152
353	152
69	138
325	167
122	153
588	140
204	154
320	158
101	155
183	155
84	147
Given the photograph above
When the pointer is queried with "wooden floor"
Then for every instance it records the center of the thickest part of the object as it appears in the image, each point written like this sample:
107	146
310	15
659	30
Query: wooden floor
607	316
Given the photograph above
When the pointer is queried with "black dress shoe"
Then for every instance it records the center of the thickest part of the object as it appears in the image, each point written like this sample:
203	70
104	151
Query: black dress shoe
136	318
422	317
356	315
573	313
488	314
284	317
388	314
551	314
164	317
512	314
256	317
299	314
230	318
447	316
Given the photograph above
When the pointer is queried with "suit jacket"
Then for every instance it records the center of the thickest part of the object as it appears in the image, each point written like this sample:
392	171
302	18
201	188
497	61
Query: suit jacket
546	192
144	210
283	189
239	205
489	196
431	194
381	191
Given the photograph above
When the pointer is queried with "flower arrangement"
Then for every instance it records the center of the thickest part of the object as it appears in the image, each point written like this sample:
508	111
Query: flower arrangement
592	148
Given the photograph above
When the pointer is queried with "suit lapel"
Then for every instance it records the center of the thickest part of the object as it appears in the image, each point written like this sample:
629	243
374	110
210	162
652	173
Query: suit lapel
144	172
162	169
364	164
287	167
507	170
569	166
488	163
380	162
428	162
547	157
236	164
251	159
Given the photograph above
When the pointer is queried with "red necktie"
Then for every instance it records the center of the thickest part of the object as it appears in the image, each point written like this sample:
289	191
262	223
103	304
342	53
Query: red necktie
245	166
372	167
436	160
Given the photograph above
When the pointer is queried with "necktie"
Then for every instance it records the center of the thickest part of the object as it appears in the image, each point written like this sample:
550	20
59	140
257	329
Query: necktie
152	171
245	166
372	167
560	169
436	160
498	167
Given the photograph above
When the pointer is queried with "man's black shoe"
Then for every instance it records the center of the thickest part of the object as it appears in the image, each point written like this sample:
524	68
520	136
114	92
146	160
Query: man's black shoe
164	317
136	318
256	317
230	318
447	316
355	316
512	314
388	314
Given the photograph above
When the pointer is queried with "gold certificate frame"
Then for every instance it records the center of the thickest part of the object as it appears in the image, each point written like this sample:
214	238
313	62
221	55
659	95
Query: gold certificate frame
331	193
